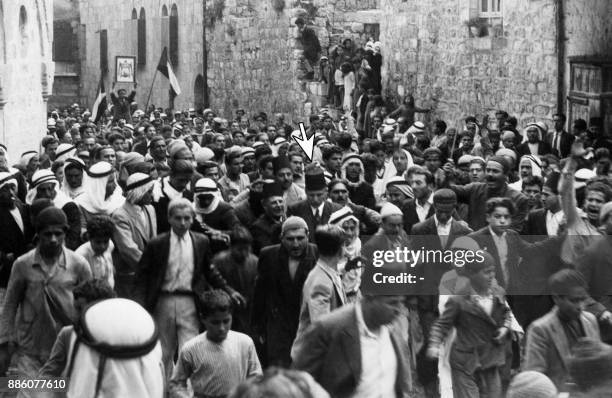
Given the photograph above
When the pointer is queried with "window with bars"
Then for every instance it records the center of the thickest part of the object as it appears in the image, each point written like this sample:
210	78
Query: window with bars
489	9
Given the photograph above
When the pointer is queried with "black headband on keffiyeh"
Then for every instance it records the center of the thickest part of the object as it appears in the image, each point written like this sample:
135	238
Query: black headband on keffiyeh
138	183
65	151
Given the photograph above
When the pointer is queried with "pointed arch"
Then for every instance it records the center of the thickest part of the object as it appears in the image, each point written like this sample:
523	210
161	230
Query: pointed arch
134	14
164	11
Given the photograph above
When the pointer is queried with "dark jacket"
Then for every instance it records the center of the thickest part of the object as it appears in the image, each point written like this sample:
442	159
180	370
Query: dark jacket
565	145
266	232
154	262
529	264
535	225
277	300
425	234
362	194
476	195
13	239
523	149
331	353
302	209
474	347
410	215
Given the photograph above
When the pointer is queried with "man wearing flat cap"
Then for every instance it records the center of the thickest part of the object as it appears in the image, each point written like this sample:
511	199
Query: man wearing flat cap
476	194
39	298
315	209
281	273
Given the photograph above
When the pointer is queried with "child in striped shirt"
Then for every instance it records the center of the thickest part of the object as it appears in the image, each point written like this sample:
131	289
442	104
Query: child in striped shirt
217	360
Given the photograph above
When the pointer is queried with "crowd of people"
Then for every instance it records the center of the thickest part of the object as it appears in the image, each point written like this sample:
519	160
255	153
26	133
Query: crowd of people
156	252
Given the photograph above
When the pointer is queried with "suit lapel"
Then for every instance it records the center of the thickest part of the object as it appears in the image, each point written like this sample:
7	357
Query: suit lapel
560	339
339	289
197	251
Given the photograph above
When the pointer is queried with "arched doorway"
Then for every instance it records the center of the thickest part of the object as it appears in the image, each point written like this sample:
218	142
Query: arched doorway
198	93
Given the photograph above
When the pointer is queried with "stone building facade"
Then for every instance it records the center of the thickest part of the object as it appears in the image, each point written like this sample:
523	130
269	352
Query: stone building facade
26	73
251	53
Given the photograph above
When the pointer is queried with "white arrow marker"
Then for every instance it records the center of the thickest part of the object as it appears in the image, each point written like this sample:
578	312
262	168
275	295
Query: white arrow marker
305	142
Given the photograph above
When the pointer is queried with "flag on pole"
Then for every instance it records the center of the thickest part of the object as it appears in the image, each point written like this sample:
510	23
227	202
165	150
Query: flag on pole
99	106
166	69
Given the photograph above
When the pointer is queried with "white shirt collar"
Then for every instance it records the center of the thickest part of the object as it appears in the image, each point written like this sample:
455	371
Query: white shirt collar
176	238
320	209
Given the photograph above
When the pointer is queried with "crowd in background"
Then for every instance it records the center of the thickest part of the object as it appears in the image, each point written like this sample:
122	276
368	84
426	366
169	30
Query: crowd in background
212	223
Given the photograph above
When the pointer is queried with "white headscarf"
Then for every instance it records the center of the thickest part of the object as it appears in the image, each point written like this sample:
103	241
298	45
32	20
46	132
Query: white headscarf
64	152
26	157
46	176
72	192
94	185
206	186
7	178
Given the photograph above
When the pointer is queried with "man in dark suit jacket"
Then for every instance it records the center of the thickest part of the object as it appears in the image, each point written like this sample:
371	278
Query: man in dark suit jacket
560	141
173	271
535	137
549	340
15	228
315	210
333	352
422	183
281	273
267	228
436	233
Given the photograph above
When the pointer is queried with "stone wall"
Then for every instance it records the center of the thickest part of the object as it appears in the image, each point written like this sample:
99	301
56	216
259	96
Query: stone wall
429	52
26	73
116	17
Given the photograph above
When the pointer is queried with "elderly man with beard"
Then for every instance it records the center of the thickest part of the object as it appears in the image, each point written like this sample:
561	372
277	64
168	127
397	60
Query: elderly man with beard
39	298
281	273
529	166
135	224
266	229
476	194
46	186
533	143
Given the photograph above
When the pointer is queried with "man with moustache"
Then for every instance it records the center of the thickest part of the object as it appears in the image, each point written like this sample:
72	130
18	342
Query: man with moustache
476	194
266	229
281	273
135	224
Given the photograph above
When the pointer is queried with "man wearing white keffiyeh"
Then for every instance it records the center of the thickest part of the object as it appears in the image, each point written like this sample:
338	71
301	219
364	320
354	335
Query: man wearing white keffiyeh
46	186
102	195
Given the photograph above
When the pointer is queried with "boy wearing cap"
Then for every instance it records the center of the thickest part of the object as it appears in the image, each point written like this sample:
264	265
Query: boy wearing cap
483	320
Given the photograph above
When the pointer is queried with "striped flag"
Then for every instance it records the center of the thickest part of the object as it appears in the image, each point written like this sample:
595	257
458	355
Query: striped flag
166	69
99	106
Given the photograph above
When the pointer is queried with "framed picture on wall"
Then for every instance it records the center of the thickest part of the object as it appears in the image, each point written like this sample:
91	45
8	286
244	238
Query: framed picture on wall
125	69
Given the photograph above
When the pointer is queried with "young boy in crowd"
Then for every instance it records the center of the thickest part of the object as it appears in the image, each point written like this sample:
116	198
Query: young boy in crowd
98	250
483	320
217	360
